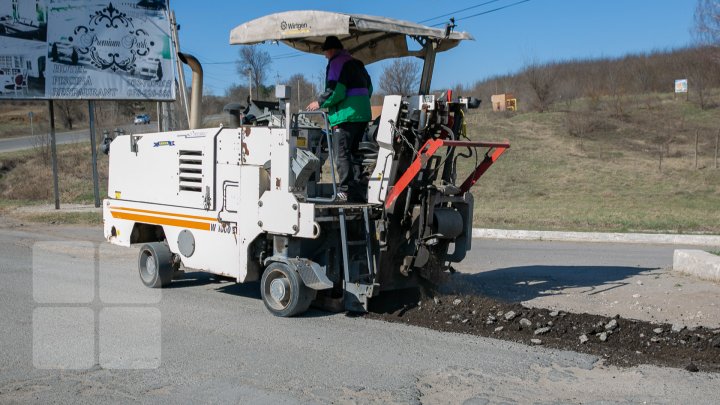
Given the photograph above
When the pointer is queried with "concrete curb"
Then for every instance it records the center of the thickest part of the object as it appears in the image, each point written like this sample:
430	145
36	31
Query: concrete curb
698	263
696	240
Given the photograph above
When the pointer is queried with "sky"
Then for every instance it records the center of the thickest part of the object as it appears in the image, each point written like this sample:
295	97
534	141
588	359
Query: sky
505	40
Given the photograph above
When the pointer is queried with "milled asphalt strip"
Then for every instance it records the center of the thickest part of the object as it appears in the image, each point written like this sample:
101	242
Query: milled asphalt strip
696	240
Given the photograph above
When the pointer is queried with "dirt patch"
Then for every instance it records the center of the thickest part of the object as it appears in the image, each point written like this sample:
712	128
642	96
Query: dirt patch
620	341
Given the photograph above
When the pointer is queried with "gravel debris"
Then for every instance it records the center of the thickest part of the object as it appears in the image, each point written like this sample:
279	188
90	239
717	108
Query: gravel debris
554	313
457	301
627	337
676	327
536	341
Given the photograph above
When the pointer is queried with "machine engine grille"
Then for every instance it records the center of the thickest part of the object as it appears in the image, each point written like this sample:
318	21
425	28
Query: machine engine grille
190	173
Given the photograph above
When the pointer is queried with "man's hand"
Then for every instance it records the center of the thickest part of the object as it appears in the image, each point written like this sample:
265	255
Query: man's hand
313	106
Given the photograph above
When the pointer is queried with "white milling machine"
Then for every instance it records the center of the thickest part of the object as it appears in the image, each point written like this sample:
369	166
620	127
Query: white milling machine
249	203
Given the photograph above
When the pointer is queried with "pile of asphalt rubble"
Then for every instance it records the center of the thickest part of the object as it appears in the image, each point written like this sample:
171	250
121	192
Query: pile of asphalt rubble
621	342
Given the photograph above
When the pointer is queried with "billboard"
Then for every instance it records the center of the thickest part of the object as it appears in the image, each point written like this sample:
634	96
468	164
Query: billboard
80	49
681	86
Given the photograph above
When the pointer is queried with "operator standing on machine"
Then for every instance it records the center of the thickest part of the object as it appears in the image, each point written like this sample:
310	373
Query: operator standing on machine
347	98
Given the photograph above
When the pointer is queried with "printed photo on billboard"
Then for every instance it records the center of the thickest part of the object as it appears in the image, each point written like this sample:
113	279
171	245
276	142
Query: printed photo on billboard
80	49
23	19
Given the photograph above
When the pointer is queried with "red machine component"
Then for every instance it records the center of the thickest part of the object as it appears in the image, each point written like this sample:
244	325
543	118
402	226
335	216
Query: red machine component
429	149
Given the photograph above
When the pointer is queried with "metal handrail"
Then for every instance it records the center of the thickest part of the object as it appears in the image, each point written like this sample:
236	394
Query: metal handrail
328	135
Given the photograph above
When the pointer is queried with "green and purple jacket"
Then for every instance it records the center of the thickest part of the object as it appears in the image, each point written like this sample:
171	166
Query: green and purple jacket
348	90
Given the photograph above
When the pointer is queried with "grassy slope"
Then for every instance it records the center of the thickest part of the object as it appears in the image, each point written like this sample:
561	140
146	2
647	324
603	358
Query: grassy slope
607	179
29	178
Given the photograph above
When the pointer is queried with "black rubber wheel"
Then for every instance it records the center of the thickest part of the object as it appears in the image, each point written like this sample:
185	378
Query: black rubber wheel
283	291
155	265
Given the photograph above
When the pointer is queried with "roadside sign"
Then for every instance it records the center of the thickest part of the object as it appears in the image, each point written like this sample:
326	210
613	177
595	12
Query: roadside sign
86	49
681	86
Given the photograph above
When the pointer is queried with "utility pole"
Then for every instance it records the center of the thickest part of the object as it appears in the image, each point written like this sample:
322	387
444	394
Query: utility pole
96	189
697	133
717	143
249	71
181	72
53	151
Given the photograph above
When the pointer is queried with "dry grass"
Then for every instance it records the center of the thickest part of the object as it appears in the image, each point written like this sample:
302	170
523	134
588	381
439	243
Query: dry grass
27	175
609	178
14	120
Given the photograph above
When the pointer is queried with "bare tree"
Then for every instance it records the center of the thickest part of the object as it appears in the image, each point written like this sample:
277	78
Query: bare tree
401	77
707	22
302	90
542	81
69	111
700	70
255	62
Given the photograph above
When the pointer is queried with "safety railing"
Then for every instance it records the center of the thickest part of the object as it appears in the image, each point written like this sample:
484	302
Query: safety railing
331	154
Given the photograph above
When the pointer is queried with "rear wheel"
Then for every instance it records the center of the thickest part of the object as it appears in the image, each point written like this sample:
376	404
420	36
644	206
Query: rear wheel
155	265
283	291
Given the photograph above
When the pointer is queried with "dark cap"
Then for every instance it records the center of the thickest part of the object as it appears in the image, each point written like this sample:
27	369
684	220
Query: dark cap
332	42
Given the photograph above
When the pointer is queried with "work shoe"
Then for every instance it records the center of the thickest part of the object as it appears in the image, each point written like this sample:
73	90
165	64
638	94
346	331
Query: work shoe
341	197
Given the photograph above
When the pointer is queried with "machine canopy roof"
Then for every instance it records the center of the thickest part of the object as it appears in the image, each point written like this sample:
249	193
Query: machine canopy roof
366	37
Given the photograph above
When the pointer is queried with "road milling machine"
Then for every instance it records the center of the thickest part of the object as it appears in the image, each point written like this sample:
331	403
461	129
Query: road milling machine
258	202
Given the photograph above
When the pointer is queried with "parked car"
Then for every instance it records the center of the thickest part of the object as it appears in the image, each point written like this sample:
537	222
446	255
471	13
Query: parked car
142	119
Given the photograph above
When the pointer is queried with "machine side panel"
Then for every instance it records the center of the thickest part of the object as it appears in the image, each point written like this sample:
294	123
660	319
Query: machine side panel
170	168
253	183
379	180
255	145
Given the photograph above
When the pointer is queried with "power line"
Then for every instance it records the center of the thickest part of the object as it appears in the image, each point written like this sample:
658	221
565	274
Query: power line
459	11
277	57
484	12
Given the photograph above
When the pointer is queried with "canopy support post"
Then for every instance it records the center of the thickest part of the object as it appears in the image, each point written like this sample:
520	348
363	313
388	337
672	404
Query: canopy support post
428	66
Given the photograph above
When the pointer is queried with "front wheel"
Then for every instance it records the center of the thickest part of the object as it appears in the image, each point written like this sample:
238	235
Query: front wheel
155	265
283	291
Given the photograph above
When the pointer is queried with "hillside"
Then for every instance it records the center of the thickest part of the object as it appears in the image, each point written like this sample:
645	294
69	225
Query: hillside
612	150
581	169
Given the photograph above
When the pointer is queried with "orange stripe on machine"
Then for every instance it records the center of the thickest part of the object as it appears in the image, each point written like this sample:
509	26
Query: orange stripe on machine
163	213
148	219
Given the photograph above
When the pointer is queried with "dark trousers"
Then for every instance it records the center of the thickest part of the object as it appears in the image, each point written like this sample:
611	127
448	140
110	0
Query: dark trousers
348	160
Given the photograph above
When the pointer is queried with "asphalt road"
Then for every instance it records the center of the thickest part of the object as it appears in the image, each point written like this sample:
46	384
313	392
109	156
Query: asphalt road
63	138
208	342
